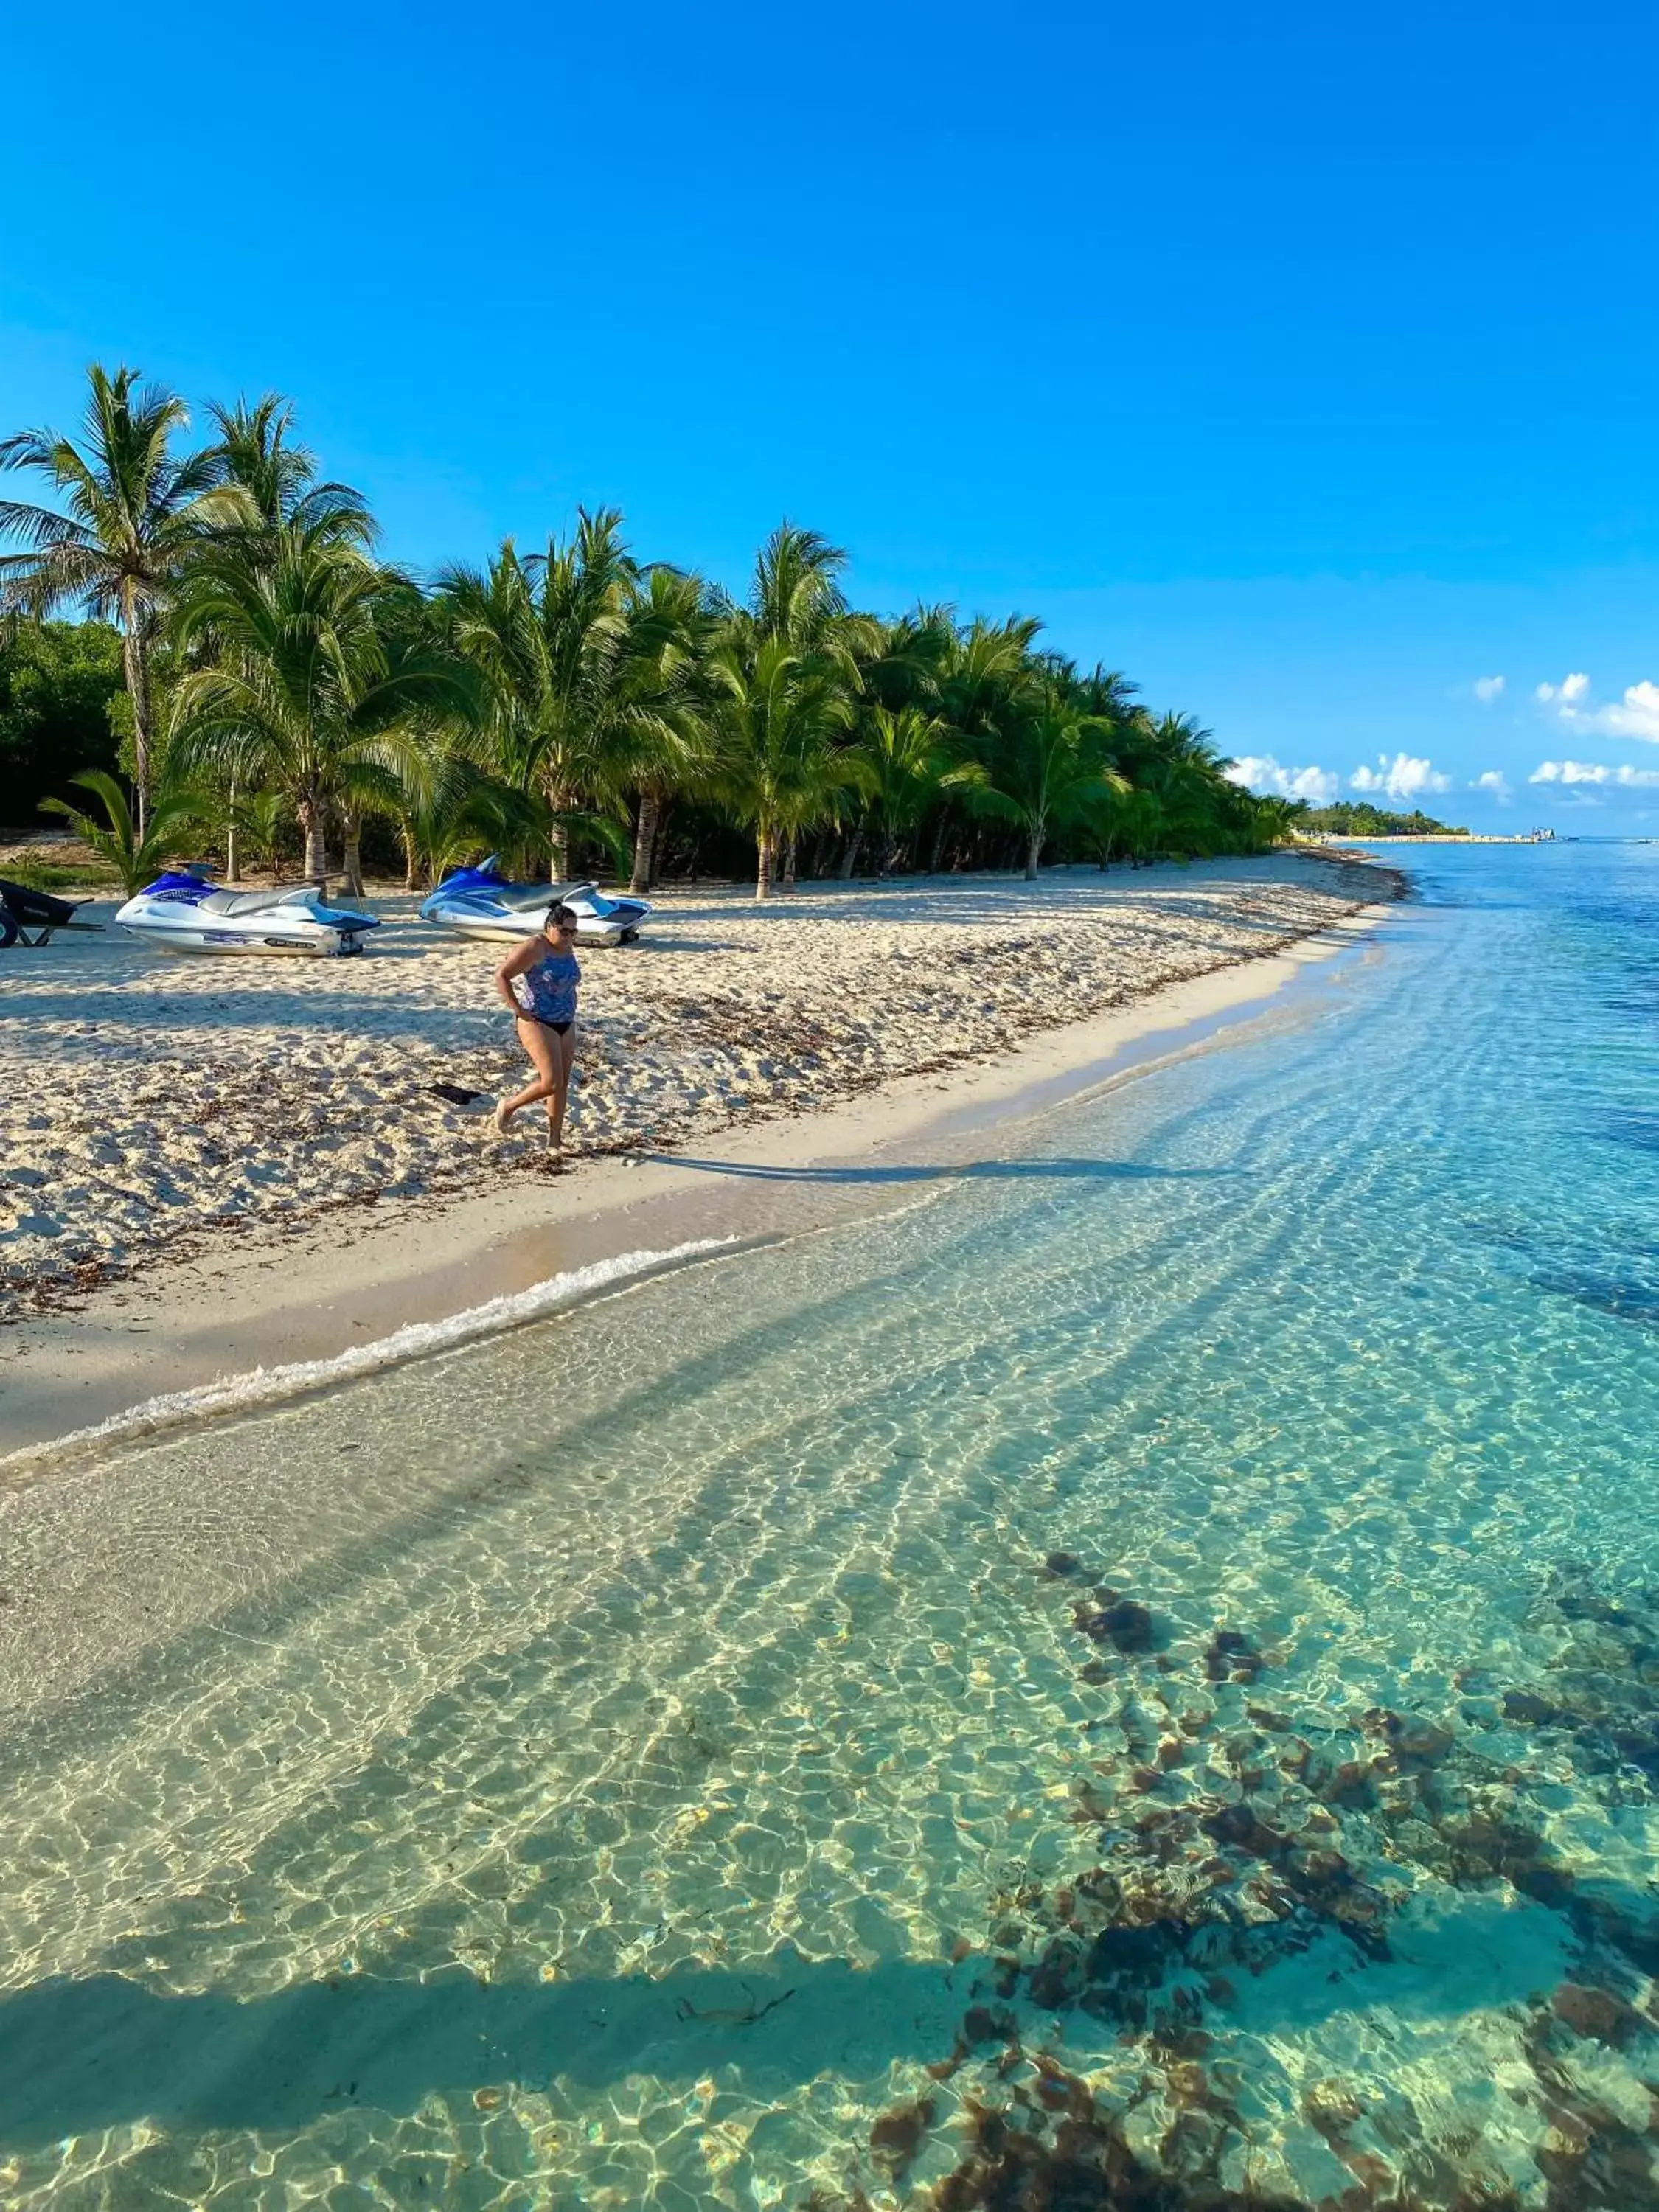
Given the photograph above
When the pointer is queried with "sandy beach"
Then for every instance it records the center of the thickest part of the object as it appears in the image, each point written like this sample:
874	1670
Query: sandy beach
168	1122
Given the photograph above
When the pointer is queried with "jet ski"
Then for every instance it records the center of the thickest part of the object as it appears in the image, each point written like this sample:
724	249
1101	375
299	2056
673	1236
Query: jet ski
184	911
482	902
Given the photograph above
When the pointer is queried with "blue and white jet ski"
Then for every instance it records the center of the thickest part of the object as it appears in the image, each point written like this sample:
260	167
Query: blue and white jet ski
481	903
184	911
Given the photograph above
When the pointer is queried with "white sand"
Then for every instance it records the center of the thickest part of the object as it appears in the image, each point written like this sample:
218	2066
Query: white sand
145	1100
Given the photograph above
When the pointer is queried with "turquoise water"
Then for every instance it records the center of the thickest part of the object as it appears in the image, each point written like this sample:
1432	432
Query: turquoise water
678	1755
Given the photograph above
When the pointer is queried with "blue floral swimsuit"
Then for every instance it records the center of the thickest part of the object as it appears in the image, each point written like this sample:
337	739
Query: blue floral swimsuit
547	991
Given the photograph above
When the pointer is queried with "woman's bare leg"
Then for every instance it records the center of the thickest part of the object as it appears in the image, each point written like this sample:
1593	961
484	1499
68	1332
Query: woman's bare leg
564	1048
542	1046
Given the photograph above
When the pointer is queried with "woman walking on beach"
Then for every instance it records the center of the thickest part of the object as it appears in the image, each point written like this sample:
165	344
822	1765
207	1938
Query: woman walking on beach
538	981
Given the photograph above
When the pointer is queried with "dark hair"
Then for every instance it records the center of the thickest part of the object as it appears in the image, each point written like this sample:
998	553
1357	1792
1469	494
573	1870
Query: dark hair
559	916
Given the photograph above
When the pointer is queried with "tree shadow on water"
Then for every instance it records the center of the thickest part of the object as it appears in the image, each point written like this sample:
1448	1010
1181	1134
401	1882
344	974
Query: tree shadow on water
80	2056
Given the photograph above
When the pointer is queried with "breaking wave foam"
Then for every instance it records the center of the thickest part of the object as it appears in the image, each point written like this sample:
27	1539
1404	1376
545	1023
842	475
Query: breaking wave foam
264	1386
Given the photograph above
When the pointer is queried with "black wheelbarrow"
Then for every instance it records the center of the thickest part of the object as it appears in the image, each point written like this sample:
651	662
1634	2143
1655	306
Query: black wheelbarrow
29	917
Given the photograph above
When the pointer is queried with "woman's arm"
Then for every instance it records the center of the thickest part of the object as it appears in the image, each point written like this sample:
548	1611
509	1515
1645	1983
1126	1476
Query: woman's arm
522	957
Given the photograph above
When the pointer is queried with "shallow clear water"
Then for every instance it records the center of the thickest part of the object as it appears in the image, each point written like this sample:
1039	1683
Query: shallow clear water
645	1760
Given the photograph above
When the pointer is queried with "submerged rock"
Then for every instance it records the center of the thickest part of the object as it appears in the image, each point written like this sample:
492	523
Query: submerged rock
1594	2012
1231	1657
1123	1622
897	2137
1242	1826
1063	1564
1412	1736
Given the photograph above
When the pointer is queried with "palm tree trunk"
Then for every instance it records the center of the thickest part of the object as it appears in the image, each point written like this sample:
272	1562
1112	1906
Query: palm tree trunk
849	859
789	862
311	825
558	861
352	836
1034	849
233	853
135	670
765	851
645	841
939	844
411	860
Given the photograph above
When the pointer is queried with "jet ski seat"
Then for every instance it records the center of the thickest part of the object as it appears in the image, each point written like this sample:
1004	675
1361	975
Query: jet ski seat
246	902
525	899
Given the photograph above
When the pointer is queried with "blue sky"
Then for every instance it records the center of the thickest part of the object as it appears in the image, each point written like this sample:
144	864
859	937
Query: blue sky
1298	360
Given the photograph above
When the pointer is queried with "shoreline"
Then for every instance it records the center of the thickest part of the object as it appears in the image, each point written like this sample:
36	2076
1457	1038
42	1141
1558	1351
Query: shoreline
328	1287
149	1104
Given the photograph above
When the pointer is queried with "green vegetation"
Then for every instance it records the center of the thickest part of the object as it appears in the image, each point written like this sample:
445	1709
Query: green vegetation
1361	819
57	683
132	852
136	507
266	678
36	875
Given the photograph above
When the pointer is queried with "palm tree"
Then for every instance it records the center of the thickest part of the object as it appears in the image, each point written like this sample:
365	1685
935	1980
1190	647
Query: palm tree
793	651
907	758
137	851
264	819
268	479
986	673
1045	766
1138	825
795	599
1183	771
665	743
135	509
326	670
1274	821
550	637
1107	693
776	721
450	809
908	659
899	669
256	456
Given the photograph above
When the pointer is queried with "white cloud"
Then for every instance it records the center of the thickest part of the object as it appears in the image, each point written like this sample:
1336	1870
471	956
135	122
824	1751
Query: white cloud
1402	777
1488	687
1623	777
1262	772
1495	782
1636	716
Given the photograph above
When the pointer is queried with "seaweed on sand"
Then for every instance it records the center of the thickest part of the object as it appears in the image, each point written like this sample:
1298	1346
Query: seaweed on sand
1592	2157
1215	1847
1017	2162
